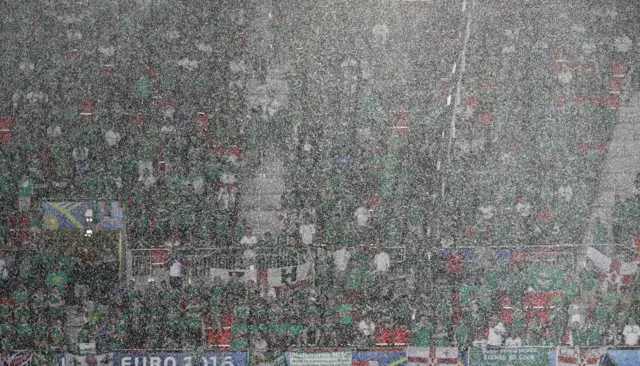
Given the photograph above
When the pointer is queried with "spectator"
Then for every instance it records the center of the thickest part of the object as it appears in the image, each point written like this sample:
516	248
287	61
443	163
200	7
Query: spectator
248	238
4	273
341	258
513	340
307	231
496	332
363	216
631	333
441	335
175	273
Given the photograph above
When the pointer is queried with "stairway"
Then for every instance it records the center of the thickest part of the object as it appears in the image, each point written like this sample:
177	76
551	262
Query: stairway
621	164
260	201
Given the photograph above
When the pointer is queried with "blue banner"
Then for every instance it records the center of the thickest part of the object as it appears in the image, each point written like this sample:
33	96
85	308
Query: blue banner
180	359
71	215
379	358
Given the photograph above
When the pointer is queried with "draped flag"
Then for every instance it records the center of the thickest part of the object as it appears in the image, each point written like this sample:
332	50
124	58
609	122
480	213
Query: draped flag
17	359
71	215
576	356
619	273
432	356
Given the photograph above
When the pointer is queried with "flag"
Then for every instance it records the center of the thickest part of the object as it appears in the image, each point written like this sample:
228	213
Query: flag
576	356
619	273
17	359
287	275
432	356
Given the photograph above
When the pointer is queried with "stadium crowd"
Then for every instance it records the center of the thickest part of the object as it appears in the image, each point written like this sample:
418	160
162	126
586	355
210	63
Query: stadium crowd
356	301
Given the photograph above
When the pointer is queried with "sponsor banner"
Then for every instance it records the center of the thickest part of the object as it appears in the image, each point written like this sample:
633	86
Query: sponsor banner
68	359
320	358
268	359
379	359
179	359
622	358
432	356
577	356
516	356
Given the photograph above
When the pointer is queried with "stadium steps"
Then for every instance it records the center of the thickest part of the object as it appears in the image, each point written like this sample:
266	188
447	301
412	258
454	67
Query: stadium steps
260	202
75	320
621	165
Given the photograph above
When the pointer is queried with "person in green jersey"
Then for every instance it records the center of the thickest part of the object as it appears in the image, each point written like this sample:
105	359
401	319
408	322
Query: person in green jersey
56	304
441	335
57	278
422	335
20	295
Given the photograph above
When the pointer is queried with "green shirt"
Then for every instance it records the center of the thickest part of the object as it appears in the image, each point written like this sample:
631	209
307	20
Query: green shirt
594	335
422	337
142	87
20	296
345	316
588	278
356	277
24	330
239	328
461	332
444	341
579	337
57	279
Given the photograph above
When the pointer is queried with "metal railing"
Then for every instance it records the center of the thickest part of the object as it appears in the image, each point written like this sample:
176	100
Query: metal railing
199	262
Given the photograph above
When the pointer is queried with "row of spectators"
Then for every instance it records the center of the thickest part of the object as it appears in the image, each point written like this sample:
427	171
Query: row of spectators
358	298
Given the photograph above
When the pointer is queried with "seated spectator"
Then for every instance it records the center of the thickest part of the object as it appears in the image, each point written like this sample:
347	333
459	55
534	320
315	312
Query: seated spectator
56	305
441	335
496	332
248	238
631	333
422	337
367	328
513	340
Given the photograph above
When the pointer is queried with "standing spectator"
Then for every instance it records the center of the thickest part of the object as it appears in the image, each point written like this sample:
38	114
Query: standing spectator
175	274
248	238
340	261
363	216
4	272
383	263
307	231
496	333
631	333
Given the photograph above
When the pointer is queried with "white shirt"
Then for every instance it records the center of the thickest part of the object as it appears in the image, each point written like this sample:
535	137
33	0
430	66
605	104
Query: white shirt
249	255
249	240
631	334
198	185
495	335
341	259
382	262
2	270
112	137
362	216
513	342
306	232
176	269
366	327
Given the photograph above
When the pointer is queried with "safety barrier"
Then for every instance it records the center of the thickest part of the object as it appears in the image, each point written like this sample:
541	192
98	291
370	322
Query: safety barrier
473	356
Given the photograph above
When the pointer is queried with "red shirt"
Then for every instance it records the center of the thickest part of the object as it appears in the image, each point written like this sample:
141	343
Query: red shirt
454	262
